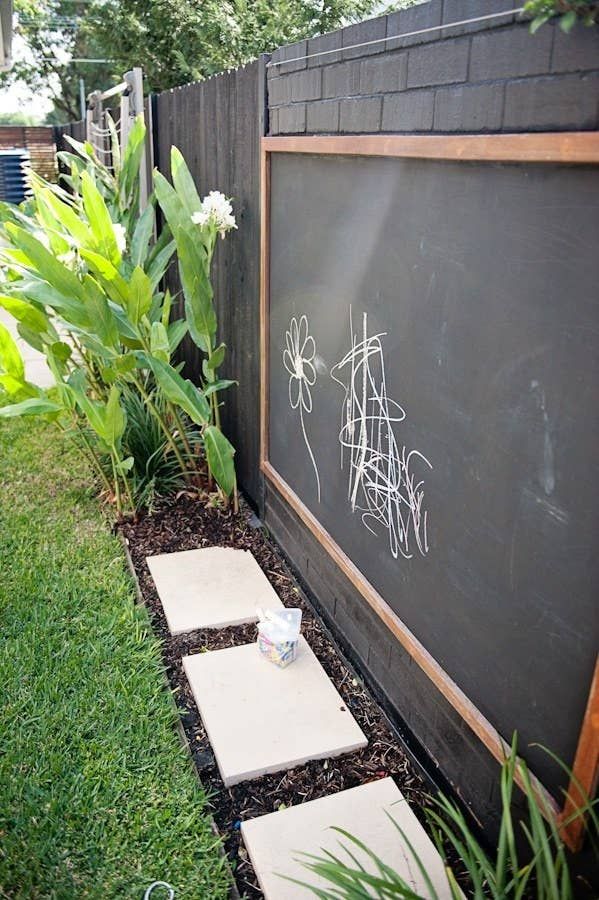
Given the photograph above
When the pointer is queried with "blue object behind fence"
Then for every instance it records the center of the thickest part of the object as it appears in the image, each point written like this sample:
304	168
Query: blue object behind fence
13	168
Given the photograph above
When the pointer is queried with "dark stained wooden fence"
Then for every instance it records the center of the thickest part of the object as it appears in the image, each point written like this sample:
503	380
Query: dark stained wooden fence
217	125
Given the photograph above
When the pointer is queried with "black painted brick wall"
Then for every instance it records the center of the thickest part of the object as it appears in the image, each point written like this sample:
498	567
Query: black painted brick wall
484	77
487	77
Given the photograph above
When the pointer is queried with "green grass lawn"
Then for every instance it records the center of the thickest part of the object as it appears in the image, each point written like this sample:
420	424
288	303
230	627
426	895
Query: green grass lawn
97	796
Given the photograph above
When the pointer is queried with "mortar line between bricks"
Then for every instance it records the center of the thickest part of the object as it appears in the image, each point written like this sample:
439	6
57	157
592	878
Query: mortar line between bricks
395	37
439	87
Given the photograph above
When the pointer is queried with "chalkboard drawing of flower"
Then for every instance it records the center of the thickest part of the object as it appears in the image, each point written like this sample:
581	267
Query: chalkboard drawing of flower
298	359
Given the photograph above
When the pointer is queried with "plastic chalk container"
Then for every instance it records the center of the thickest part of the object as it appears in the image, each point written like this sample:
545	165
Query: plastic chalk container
278	634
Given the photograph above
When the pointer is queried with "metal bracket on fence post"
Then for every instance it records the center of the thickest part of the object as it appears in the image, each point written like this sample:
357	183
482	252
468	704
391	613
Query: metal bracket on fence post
93	116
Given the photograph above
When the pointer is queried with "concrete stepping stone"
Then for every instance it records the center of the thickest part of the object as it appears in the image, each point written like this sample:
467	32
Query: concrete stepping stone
210	588
275	841
260	718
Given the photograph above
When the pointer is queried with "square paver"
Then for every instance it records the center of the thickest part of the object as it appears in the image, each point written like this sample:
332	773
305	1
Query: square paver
275	842
210	588
261	718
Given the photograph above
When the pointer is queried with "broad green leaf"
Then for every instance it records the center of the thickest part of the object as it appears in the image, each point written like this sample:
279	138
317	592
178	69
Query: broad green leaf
167	305
220	385
160	264
53	229
99	219
125	465
141	236
17	389
103	321
10	358
125	363
31	337
538	21
109	374
93	411
176	333
34	406
140	295
184	183
129	177
199	309
29	316
115	285
171	204
567	21
115	418
219	455
180	391
209	366
69	218
61	351
159	342
46	266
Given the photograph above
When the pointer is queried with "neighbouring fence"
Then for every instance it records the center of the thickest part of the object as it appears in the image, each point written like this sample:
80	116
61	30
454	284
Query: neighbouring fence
488	77
38	141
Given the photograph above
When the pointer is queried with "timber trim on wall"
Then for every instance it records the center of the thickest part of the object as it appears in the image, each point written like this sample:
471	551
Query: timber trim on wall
568	148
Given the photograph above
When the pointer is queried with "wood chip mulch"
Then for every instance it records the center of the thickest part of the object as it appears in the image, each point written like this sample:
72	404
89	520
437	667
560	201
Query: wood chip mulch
188	524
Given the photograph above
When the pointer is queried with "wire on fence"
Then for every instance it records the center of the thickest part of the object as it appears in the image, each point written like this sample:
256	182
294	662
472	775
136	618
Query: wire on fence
395	37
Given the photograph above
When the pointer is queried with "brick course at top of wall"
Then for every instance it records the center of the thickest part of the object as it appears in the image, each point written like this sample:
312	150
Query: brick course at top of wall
488	76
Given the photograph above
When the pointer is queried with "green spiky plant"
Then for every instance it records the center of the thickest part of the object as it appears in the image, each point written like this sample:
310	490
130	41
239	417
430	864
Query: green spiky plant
540	870
82	278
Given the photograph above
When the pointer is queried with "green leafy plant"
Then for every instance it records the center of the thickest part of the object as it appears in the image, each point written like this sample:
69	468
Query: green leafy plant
537	866
82	278
155	473
568	12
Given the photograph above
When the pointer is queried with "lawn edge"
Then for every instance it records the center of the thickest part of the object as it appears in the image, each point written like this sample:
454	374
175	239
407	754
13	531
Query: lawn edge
140	601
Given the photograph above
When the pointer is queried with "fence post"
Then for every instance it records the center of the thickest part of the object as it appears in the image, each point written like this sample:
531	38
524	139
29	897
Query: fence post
135	107
93	116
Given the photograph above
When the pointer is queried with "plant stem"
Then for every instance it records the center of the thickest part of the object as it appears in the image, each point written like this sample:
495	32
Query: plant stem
127	487
117	488
89	453
94	456
180	428
235	497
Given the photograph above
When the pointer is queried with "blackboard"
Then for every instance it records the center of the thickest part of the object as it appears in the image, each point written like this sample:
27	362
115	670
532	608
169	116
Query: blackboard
433	363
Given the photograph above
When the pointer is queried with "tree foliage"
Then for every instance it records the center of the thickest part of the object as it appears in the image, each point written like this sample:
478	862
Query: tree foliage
568	12
177	41
54	33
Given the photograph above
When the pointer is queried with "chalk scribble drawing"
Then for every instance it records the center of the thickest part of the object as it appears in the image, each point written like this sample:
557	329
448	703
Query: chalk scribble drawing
298	359
383	484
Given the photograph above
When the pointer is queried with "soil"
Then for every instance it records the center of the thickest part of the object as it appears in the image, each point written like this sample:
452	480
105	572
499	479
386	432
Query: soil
189	524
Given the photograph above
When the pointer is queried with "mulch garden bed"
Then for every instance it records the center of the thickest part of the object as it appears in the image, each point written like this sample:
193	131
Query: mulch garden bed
188	524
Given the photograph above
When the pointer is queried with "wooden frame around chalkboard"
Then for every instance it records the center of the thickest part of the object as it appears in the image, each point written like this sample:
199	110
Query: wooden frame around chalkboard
568	148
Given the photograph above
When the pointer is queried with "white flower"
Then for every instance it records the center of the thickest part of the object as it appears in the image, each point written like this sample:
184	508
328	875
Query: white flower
120	236
217	211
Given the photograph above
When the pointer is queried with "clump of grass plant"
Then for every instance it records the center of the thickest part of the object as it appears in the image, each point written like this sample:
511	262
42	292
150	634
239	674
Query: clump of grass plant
531	859
99	798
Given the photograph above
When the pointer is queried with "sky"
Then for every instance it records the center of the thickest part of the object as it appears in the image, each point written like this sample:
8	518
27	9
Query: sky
19	98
